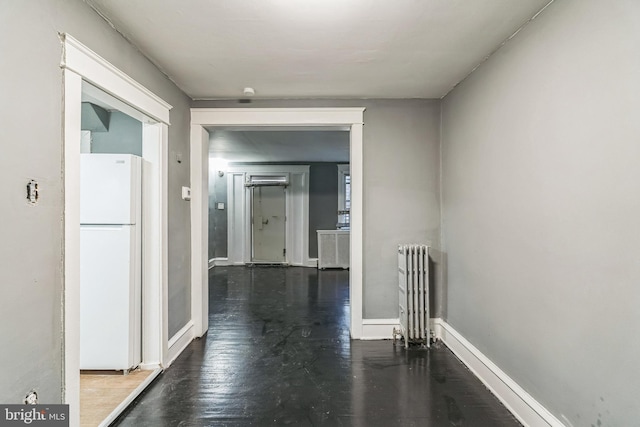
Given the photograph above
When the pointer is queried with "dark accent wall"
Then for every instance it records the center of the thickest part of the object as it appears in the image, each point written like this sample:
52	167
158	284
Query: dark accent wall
323	201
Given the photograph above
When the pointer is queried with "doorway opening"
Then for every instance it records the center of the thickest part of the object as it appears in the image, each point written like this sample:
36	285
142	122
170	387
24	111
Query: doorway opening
268	231
297	168
111	223
89	78
342	119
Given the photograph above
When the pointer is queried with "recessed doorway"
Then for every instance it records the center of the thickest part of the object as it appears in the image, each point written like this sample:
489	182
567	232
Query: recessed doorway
268	213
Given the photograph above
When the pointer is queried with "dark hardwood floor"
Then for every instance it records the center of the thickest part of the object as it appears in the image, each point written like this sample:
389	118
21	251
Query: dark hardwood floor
278	353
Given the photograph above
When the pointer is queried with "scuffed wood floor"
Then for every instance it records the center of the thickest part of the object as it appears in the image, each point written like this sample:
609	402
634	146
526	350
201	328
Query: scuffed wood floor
279	353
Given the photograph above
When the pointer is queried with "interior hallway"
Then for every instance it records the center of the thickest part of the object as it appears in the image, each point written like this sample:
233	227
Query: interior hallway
278	353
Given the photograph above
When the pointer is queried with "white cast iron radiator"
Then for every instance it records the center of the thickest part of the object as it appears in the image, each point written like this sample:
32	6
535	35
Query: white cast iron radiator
413	281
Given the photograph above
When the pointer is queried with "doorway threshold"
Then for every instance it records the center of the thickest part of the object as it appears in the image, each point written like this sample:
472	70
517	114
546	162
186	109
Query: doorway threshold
103	397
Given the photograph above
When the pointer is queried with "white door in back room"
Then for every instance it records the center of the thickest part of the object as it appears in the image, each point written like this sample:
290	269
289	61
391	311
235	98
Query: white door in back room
268	225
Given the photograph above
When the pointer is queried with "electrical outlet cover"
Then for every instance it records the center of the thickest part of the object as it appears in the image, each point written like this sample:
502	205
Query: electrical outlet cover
186	193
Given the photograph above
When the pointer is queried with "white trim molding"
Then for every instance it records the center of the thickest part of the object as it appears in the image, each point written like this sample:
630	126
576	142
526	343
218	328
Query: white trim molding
155	231
220	262
95	69
356	250
522	405
72	123
344	118
321	117
378	329
199	165
179	342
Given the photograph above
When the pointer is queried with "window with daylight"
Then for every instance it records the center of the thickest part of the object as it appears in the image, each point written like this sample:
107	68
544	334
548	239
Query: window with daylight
344	197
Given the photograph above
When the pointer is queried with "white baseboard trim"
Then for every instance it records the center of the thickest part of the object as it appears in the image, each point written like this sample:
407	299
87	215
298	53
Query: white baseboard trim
180	341
220	262
521	404
378	329
224	262
311	263
132	396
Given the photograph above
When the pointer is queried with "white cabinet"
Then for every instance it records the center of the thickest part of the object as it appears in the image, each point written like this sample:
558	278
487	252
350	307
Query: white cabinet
333	249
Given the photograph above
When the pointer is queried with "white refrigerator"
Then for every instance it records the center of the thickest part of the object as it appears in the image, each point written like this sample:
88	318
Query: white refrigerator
110	261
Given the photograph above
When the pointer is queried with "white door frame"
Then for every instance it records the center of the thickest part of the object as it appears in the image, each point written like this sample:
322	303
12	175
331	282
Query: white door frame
79	65
348	118
297	208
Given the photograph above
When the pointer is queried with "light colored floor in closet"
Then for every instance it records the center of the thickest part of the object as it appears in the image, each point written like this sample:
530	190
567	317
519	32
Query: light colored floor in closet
100	394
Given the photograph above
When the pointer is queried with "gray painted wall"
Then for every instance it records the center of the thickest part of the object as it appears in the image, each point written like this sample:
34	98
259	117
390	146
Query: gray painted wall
541	209
124	136
32	264
401	187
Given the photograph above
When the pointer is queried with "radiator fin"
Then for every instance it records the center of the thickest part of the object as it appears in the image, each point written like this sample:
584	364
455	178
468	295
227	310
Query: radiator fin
413	284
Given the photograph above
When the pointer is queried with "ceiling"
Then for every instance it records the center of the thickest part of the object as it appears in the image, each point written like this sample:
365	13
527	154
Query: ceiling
279	146
212	49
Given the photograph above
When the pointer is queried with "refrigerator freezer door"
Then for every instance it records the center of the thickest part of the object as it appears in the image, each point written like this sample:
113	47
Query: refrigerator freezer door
110	189
110	298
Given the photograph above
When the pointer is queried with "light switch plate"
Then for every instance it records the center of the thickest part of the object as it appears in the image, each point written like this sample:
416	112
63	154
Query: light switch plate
186	193
220	206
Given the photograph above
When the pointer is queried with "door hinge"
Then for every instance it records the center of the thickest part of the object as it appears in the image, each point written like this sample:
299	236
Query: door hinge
284	252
